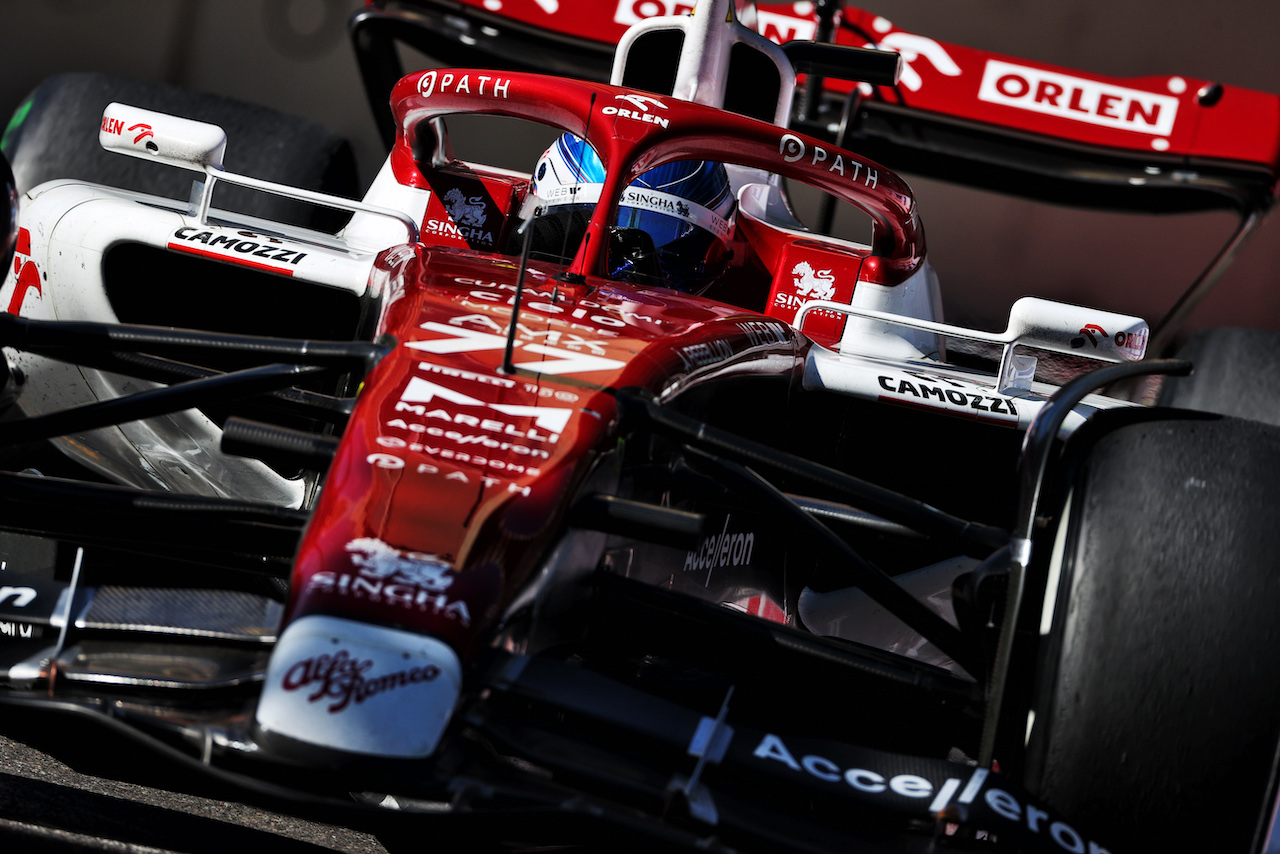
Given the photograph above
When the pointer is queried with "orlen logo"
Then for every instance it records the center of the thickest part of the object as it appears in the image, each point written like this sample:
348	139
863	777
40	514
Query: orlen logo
784	28
913	48
144	131
634	11
1090	331
644	104
1132	344
141	131
1079	99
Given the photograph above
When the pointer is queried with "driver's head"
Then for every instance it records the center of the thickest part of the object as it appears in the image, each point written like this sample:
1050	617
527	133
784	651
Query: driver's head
685	209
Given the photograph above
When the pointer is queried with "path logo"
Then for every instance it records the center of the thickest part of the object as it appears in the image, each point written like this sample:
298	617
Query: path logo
816	285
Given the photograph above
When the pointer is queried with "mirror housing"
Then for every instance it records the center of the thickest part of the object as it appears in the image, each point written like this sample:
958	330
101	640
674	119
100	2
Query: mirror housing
1033	322
1075	330
198	146
161	137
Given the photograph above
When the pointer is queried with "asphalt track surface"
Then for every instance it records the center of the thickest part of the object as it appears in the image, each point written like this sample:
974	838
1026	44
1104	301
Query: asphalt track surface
48	808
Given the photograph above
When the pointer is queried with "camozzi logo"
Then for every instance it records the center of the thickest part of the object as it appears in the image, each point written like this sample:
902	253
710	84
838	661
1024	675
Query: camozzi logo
1079	99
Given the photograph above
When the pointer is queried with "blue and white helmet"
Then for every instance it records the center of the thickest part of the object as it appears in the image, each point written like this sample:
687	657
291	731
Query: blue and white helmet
686	208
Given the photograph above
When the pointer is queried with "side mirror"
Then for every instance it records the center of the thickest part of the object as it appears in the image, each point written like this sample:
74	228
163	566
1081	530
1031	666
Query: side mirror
1064	328
200	147
1079	331
1039	323
161	137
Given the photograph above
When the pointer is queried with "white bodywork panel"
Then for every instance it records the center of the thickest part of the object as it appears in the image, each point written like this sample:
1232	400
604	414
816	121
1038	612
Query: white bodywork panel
949	389
71	226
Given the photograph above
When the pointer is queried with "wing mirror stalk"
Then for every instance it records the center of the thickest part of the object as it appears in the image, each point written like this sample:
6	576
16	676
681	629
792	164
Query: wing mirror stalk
200	147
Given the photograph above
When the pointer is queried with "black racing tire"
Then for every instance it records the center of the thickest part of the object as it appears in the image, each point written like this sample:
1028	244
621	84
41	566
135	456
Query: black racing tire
8	213
1237	372
1157	715
54	134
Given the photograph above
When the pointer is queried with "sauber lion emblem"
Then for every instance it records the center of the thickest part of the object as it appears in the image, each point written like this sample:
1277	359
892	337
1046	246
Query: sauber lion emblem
811	283
376	559
465	211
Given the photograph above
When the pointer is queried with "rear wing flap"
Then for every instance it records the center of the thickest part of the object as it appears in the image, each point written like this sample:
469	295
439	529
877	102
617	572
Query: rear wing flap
1155	143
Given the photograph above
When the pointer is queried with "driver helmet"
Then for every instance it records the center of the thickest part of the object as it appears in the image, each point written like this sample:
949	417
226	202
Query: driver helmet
685	208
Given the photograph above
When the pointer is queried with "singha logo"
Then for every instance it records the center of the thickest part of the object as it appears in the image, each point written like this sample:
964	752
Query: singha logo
376	559
682	209
464	211
816	285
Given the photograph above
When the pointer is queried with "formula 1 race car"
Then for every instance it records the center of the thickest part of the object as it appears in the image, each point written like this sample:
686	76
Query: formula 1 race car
608	505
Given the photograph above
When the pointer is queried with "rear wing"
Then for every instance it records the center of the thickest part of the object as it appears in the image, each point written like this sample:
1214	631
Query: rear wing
1157	143
972	117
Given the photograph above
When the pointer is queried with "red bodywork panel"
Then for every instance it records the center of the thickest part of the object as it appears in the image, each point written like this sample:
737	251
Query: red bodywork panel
814	270
1158	114
446	455
471	209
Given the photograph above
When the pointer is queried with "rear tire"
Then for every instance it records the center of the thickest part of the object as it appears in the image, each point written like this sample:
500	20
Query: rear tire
1158	711
1237	372
54	134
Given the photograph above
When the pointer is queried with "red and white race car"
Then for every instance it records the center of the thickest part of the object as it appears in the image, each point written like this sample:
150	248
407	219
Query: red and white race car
610	504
